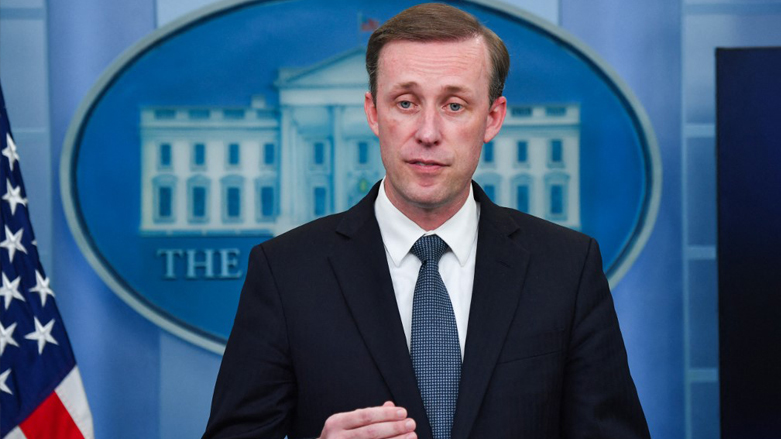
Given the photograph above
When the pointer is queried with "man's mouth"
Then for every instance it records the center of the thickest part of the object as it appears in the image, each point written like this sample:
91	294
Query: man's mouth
428	164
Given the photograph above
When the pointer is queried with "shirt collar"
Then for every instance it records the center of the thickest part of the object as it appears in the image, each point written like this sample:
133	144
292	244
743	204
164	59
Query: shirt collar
399	233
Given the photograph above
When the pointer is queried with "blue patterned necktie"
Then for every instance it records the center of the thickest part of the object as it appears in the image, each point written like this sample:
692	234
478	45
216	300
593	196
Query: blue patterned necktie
436	354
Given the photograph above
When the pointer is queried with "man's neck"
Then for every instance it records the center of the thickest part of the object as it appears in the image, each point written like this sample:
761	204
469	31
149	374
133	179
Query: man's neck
427	218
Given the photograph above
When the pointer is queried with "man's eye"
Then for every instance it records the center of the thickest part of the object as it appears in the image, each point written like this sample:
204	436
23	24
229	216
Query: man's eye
455	106
405	104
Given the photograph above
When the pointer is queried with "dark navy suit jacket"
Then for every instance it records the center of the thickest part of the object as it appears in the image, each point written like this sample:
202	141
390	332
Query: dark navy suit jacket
318	332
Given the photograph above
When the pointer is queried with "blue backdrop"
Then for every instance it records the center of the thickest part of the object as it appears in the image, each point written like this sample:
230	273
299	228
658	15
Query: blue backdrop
186	68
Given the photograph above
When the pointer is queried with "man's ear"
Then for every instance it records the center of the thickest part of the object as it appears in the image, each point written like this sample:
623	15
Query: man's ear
495	118
371	112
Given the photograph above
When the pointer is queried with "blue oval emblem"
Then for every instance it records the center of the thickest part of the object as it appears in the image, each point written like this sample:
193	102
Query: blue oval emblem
245	119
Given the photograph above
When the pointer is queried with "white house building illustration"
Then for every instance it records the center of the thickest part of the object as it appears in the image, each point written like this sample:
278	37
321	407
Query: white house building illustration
262	170
533	164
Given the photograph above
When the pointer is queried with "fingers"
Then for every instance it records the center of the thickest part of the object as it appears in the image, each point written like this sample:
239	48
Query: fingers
372	415
385	422
404	429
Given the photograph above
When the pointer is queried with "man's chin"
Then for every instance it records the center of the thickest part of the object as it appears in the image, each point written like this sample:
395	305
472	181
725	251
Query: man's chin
431	201
427	198
423	197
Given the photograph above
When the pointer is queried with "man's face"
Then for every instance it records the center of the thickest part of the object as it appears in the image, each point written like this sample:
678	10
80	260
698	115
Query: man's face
432	116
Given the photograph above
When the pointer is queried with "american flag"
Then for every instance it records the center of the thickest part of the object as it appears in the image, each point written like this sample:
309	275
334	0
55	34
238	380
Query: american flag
41	393
367	24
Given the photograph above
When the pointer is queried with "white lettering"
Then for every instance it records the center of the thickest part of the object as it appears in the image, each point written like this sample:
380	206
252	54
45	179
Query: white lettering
207	263
230	260
169	261
204	263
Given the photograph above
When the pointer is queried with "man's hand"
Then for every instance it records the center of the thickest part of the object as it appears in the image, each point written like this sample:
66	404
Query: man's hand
386	422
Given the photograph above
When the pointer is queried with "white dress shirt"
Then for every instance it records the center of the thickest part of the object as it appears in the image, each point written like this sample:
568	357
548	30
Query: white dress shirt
457	266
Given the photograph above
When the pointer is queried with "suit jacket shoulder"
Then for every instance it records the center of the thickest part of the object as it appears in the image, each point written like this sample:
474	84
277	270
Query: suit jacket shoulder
317	332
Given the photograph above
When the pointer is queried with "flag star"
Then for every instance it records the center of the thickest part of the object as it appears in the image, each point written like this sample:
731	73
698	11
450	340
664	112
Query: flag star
10	290
13	242
10	151
13	195
3	378
42	334
7	337
42	287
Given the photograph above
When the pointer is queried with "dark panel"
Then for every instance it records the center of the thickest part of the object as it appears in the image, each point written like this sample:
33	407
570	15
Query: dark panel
749	234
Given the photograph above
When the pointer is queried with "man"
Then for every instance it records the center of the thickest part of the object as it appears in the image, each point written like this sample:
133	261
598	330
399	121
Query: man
346	328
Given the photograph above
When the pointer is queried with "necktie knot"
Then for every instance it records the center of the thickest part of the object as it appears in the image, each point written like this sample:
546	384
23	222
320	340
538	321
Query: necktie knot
429	248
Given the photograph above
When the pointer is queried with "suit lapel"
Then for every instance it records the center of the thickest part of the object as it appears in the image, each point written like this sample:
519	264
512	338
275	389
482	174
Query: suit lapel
499	271
360	265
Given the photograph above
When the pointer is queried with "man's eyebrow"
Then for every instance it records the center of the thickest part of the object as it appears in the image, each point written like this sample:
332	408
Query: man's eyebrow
456	89
448	88
406	85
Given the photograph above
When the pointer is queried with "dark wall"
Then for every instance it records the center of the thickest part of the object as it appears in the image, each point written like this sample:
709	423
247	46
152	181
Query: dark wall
749	233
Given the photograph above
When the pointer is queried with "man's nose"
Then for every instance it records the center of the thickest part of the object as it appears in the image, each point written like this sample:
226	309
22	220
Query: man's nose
429	131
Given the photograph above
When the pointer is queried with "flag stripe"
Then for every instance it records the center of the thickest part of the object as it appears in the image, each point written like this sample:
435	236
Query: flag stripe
51	420
16	433
71	393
